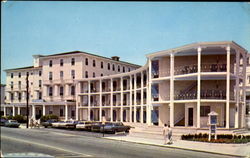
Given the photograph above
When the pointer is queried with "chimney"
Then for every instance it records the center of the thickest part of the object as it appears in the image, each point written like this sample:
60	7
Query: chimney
116	58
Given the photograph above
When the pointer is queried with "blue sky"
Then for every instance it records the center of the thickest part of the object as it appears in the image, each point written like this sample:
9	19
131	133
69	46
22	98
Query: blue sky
126	29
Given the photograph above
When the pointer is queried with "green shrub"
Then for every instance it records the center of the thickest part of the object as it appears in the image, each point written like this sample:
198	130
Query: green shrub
48	117
19	118
9	117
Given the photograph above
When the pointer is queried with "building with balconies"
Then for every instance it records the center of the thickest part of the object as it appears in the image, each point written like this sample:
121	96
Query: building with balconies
179	86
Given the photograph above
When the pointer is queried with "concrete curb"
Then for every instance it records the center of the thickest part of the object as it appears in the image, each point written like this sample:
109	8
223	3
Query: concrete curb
176	147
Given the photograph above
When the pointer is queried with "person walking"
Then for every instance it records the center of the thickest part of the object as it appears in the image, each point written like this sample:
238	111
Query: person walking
169	135
165	133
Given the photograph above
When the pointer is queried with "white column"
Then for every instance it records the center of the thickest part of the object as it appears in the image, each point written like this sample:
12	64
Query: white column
18	110
141	115
236	123
228	87
88	100
149	95
199	88
243	116
135	87
44	110
111	100
172	90
100	100
4	111
121	99
130	99
33	112
14	112
66	111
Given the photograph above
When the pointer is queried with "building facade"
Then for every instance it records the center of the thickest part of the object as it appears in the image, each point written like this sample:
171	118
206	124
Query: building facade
178	86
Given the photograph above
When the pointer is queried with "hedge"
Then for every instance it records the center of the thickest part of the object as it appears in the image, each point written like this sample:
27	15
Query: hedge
221	138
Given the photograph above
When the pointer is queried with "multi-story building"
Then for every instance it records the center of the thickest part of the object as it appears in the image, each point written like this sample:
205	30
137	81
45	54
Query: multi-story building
52	81
178	86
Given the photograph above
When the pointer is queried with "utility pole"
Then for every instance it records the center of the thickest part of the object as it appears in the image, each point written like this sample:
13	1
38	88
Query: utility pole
27	99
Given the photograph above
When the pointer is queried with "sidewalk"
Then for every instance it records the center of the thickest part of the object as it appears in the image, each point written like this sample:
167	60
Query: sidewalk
224	149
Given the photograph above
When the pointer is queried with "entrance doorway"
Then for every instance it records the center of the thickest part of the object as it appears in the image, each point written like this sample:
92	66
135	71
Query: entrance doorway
190	117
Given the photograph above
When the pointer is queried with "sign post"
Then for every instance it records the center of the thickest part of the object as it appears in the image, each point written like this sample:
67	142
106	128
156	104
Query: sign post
212	122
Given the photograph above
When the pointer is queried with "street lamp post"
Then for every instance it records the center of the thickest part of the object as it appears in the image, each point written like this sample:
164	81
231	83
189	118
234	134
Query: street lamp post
27	99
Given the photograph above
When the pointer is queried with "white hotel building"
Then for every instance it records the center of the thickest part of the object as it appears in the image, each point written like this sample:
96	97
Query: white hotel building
178	86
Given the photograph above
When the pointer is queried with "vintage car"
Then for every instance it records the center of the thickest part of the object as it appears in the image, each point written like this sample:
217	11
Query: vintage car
115	127
12	123
48	123
110	127
84	125
58	124
3	120
65	124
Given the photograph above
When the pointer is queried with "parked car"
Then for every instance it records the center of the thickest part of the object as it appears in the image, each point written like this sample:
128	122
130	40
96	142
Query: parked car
3	120
96	127
70	124
12	123
84	125
58	124
115	127
48	123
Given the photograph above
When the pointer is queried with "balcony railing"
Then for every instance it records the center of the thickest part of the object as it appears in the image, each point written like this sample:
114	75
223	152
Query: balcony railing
214	67
187	69
185	96
213	94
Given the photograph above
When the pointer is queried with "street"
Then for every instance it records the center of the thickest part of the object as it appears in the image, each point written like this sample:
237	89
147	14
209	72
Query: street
66	143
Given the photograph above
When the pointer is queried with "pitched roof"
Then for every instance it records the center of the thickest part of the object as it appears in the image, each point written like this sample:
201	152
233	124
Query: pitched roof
21	68
80	52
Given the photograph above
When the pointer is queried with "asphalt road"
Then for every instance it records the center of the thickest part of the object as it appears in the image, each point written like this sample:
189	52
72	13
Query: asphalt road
64	143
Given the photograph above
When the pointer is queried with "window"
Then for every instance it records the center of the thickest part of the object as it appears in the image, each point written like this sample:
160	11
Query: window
50	63
86	74
40	73
73	61
93	75
61	112
73	74
101	74
123	69
72	90
19	96
61	62
205	110
39	95
61	91
61	74
11	75
27	73
50	91
93	63
108	66
118	68
73	113
50	76
102	65
19	74
11	85
86	61
40	83
248	78
128	69
113	67
19	84
248	61
11	96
